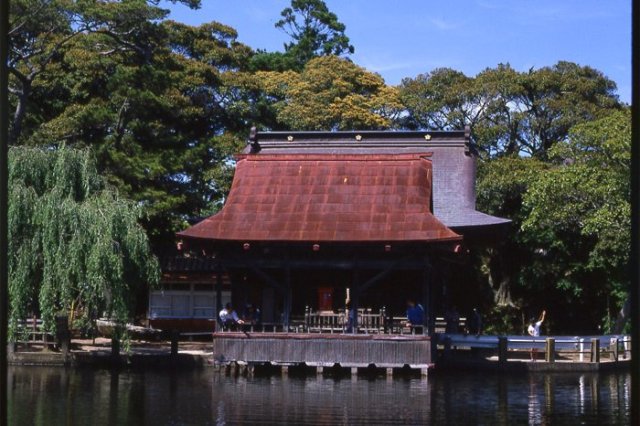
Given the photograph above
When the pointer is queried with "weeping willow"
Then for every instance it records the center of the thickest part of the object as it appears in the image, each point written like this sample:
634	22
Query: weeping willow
75	247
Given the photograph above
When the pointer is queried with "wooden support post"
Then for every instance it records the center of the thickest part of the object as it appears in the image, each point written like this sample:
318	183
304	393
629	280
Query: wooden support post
63	335
595	350
251	369
287	295
613	349
115	345
354	371
175	337
550	350
427	299
319	370
218	297
355	298
285	370
424	372
65	346
503	349
389	372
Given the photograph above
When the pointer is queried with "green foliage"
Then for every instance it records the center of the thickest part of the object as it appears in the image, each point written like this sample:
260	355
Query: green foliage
331	94
580	210
151	97
504	320
315	31
503	181
509	112
74	245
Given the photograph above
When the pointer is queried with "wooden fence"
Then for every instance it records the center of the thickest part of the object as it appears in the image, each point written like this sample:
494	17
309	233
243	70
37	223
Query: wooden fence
31	333
571	348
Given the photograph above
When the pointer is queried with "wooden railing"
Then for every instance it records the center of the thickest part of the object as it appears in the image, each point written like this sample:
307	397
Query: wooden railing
31	333
369	322
576	348
338	322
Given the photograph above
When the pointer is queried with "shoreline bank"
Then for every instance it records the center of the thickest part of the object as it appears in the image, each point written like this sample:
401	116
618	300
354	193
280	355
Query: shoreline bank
87	353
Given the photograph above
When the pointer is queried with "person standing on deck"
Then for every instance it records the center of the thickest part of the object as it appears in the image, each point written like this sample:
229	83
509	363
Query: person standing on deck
351	317
415	314
534	330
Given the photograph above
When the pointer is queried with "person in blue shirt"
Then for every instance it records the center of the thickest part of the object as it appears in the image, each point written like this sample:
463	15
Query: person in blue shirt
415	313
229	318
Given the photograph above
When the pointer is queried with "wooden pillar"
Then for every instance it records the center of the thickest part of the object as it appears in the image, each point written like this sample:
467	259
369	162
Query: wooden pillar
218	296
595	350
427	299
175	336
115	345
503	348
550	353
355	298
287	295
613	348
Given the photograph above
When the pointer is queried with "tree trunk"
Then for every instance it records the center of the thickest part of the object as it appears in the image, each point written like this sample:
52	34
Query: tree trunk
500	279
623	317
18	116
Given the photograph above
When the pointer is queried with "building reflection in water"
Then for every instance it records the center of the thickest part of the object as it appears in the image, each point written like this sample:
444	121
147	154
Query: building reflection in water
101	397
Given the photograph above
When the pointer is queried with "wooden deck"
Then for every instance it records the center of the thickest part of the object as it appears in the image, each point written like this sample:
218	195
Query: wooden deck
324	350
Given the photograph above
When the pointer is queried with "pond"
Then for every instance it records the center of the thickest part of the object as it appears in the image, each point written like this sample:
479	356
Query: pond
59	396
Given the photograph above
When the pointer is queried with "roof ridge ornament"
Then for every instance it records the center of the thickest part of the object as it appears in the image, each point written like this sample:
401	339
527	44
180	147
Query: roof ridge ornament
253	140
468	149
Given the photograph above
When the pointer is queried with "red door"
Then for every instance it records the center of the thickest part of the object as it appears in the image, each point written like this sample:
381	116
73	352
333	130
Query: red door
325	298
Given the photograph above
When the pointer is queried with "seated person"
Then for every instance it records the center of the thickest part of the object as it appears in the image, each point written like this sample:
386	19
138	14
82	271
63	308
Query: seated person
251	314
415	314
229	318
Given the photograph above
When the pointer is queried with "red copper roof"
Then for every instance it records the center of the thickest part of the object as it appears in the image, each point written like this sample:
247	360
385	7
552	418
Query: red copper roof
325	197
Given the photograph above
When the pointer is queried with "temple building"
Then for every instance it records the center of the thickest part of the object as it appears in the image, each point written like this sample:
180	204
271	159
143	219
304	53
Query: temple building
317	219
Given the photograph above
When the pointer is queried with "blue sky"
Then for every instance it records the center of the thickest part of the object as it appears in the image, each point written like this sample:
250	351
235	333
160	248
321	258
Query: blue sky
405	38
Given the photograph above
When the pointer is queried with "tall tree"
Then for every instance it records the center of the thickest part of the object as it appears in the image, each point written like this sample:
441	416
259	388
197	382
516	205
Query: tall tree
314	31
510	113
158	102
41	29
331	93
74	244
579	215
502	182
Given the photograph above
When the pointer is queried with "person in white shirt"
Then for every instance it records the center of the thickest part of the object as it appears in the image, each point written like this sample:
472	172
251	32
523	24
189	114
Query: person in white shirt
229	318
534	330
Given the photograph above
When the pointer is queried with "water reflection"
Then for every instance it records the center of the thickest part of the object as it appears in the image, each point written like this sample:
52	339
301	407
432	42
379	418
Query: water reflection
50	396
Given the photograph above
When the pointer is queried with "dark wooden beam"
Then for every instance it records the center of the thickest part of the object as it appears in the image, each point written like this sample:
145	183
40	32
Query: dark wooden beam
341	264
267	278
380	275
